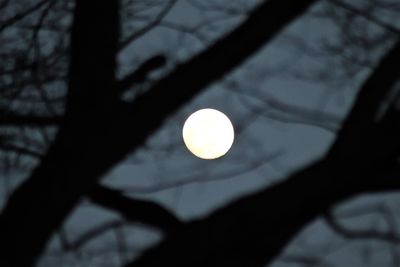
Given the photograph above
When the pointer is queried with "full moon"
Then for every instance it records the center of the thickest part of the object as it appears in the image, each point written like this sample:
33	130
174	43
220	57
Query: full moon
208	133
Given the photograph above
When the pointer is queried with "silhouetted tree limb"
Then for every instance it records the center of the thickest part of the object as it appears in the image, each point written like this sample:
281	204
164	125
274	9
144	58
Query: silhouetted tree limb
136	210
21	150
19	16
362	128
129	39
187	80
369	17
90	235
204	177
283	112
267	220
140	75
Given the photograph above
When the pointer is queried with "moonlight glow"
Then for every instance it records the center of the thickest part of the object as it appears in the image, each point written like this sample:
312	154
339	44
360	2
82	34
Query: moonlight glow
208	133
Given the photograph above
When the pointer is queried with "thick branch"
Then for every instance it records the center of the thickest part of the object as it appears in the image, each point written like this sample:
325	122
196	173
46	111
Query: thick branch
190	78
253	230
371	97
135	210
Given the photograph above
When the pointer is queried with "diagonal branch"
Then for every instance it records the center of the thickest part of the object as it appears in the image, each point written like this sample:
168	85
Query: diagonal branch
19	16
355	11
360	234
128	40
141	73
370	99
20	150
136	210
90	235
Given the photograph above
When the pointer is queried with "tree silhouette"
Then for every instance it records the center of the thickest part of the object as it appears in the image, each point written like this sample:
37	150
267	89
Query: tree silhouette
94	133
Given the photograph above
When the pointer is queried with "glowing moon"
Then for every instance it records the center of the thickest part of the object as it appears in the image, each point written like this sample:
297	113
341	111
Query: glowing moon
208	133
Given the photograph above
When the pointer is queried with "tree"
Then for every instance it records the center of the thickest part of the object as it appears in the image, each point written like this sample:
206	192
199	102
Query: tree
93	130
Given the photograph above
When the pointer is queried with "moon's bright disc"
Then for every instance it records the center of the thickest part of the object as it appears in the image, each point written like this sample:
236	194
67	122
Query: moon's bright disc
208	133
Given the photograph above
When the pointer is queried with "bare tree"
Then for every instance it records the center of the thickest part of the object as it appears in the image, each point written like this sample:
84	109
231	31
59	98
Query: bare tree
68	103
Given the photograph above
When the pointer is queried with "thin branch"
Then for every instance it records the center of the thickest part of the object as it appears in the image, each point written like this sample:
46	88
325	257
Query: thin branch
21	150
149	26
90	235
305	260
360	234
21	15
204	177
367	16
278	110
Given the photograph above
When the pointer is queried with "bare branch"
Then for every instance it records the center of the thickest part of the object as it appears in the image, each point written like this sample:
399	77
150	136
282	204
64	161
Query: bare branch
90	235
367	16
21	150
360	234
149	26
21	15
204	177
135	210
364	112
304	260
141	73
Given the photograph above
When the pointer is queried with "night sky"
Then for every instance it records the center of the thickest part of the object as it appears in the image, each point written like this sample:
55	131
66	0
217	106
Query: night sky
286	103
